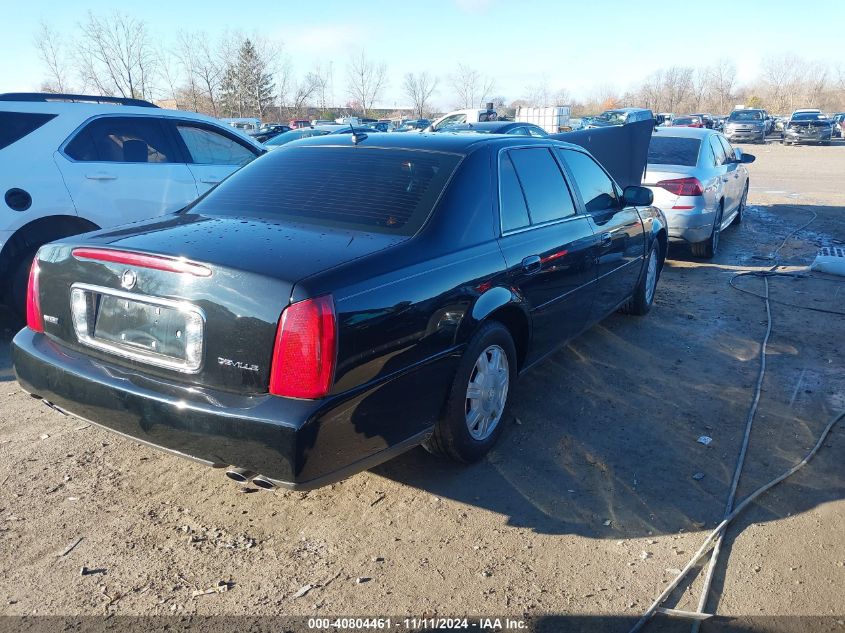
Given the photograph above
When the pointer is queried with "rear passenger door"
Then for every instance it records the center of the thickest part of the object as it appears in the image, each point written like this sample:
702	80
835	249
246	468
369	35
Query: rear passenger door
213	153
122	169
726	174
621	238
549	246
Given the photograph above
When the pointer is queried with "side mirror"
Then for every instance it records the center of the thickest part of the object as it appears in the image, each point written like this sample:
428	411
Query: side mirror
741	157
637	196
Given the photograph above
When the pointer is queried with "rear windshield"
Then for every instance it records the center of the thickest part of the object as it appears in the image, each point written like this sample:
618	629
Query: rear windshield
368	189
669	150
15	125
746	115
683	120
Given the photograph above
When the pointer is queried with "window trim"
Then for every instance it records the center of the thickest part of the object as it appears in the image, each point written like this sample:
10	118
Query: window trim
576	202
159	119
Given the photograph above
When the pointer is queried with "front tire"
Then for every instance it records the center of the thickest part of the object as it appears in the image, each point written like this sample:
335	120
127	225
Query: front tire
643	298
709	247
479	397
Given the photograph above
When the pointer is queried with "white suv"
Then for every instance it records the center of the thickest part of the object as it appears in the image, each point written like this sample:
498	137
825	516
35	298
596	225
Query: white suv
74	163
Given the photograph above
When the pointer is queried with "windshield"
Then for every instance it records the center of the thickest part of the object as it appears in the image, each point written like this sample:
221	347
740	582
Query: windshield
673	150
612	117
354	187
683	120
746	115
808	116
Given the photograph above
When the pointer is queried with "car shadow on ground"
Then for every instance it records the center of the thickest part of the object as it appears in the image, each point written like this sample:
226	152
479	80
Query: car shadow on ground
604	442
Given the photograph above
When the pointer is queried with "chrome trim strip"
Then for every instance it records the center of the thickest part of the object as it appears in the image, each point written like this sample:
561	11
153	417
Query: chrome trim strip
156	360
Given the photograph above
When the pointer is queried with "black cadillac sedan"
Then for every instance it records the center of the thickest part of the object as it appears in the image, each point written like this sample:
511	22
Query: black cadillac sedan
388	295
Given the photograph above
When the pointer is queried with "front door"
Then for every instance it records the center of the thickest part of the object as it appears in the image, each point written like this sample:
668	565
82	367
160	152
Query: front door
619	229
548	246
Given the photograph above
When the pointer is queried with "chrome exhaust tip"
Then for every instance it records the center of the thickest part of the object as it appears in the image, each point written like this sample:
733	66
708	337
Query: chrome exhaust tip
241	475
264	483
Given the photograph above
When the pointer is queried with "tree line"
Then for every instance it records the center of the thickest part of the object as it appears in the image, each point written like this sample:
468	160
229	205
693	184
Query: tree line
237	75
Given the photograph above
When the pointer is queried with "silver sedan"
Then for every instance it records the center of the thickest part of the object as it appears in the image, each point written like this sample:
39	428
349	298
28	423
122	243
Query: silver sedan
699	181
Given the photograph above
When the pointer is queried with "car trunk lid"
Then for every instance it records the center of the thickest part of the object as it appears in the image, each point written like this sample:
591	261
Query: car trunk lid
173	299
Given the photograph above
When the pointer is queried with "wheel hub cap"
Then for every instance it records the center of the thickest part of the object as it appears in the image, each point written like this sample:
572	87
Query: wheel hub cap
487	392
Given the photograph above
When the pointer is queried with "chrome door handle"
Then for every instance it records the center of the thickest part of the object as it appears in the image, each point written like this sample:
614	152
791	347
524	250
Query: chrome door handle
606	239
101	176
532	264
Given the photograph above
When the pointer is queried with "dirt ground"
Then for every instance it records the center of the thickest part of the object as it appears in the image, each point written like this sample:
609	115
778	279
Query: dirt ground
583	513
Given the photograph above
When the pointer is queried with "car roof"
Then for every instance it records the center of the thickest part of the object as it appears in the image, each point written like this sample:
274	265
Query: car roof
487	125
683	132
436	141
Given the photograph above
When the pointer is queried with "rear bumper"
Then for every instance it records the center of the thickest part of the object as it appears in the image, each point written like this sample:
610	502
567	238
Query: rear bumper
300	444
689	225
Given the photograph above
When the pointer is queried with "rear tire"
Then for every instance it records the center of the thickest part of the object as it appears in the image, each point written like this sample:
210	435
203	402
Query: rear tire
479	398
16	299
709	247
643	298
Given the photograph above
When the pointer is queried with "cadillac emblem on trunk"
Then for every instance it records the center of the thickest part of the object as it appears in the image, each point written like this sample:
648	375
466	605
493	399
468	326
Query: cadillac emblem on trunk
128	279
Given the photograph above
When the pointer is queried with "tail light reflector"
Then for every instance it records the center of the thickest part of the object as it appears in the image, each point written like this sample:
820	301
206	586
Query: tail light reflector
34	317
683	186
143	260
305	349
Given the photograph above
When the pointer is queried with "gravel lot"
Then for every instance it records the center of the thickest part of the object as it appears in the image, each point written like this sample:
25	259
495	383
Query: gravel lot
583	513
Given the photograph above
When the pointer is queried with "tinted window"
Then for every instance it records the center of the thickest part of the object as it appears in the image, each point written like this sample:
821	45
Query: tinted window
672	150
15	125
513	210
211	148
543	185
388	191
538	132
718	151
517	131
123	140
596	187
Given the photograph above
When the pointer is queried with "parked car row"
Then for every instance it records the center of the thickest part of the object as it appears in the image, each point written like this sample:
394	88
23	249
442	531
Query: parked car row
323	309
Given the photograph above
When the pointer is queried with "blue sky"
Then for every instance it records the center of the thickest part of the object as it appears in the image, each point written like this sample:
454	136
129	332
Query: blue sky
574	45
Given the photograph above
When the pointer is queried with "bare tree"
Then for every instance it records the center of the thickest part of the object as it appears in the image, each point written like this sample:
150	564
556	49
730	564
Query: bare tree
470	86
723	83
321	79
419	88
52	54
115	55
366	80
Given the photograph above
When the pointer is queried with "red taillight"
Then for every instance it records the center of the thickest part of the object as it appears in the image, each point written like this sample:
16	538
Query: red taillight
683	186
34	318
304	353
157	262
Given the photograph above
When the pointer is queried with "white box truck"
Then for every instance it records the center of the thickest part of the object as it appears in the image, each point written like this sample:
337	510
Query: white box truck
553	119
